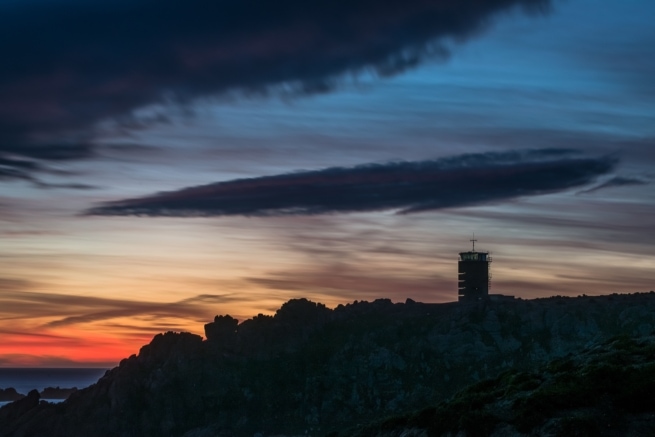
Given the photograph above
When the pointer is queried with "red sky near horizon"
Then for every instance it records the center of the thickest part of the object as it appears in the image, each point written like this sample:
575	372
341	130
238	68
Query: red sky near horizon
96	119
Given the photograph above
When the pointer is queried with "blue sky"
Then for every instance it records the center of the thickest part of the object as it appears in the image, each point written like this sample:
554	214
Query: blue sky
578	77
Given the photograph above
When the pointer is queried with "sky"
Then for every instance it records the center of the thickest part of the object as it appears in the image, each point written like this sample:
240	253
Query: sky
162	162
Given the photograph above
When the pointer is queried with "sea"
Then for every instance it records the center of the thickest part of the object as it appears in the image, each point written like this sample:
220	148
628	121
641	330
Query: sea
26	379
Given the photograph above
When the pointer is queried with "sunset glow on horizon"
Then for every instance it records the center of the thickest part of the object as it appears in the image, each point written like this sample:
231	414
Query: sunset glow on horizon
154	179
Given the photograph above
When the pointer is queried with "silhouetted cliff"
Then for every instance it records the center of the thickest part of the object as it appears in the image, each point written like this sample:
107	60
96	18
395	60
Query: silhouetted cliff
310	370
606	390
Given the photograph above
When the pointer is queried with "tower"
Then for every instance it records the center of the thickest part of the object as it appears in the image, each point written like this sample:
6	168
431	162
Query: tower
474	278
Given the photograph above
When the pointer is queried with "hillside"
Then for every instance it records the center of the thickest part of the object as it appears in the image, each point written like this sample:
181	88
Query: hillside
606	390
310	370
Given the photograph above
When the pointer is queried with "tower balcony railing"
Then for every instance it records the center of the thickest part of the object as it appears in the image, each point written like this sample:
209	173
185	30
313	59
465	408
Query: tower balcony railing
475	256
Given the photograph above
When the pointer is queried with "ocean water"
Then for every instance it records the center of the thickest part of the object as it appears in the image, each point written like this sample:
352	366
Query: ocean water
26	379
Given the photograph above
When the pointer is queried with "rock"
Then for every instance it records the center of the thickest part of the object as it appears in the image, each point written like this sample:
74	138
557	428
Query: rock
603	391
222	331
10	394
57	393
13	413
309	370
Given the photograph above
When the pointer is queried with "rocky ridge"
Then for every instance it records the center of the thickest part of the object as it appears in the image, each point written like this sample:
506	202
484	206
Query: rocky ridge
310	370
10	394
605	391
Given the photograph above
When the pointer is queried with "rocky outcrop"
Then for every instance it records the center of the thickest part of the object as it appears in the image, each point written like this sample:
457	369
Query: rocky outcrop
10	394
310	370
21	411
605	390
57	393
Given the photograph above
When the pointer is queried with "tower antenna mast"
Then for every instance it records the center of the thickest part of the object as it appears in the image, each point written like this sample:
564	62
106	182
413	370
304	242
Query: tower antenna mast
473	241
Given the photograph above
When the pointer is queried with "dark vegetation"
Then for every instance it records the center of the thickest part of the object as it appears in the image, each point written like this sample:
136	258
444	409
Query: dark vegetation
606	390
310	370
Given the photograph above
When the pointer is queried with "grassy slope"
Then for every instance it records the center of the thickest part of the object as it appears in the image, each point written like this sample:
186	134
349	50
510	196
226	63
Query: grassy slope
606	390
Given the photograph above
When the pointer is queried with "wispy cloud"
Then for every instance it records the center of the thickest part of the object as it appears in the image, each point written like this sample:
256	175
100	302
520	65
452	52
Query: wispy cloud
17	302
30	360
459	181
617	181
341	283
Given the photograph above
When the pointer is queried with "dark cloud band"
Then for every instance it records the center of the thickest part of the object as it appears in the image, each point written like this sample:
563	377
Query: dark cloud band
18	301
459	181
71	64
617	181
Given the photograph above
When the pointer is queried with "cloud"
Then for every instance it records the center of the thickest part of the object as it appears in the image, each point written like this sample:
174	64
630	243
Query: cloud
617	181
17	302
74	64
13	285
17	168
50	361
459	181
196	308
341	282
21	161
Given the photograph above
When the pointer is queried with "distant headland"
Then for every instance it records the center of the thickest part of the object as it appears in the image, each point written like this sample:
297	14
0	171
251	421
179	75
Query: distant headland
10	394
